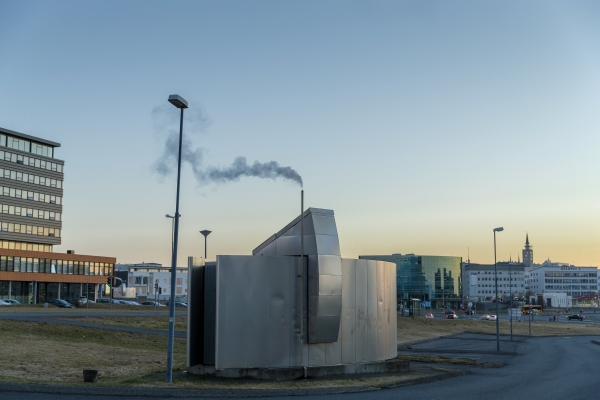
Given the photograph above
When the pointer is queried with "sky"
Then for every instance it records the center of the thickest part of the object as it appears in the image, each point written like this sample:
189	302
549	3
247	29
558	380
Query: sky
422	124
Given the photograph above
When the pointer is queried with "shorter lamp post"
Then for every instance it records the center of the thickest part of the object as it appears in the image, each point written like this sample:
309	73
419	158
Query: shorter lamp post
205	233
496	280
172	230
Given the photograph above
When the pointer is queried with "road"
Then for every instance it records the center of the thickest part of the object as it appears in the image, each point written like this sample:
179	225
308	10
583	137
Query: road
547	368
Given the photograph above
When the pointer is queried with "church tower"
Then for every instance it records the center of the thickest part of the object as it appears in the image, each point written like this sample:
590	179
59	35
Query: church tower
527	253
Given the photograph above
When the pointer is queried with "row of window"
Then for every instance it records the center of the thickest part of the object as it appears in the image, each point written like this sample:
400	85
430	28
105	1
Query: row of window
571	287
26	145
35	196
29	229
31	161
29	212
9	244
572	274
48	266
30	178
569	280
514	278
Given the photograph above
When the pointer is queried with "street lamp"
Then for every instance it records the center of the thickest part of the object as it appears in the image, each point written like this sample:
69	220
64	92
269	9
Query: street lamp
205	233
511	298
496	279
172	231
182	104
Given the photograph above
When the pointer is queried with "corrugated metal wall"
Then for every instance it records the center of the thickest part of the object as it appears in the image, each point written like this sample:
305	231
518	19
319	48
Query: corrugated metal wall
257	315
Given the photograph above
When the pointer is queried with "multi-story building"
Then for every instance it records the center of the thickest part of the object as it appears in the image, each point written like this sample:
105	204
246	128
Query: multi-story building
31	203
579	283
479	282
144	277
427	278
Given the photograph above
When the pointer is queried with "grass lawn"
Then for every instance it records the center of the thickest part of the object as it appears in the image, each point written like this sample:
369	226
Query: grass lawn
37	352
135	322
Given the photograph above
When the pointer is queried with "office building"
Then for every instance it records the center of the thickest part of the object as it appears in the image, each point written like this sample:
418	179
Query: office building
142	279
426	278
479	283
578	283
31	204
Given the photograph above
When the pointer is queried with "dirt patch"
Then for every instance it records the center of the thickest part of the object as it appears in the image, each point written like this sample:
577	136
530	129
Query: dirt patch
160	323
412	330
52	353
447	360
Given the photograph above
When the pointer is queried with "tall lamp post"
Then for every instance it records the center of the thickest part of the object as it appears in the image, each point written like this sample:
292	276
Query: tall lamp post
511	299
496	279
205	233
180	103
172	230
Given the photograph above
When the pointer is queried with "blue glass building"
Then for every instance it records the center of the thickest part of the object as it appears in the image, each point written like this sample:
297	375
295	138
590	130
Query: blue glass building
427	278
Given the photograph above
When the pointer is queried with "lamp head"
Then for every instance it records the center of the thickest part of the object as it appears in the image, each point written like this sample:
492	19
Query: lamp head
500	229
178	101
169	216
205	232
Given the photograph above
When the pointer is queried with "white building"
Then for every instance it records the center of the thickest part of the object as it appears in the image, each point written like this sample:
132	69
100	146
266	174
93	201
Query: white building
579	283
145	277
479	283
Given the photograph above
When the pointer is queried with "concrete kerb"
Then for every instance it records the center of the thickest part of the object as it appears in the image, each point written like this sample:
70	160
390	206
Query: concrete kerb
293	373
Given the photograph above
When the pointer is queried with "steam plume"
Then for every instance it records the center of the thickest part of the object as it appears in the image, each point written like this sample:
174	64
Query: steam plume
195	122
240	168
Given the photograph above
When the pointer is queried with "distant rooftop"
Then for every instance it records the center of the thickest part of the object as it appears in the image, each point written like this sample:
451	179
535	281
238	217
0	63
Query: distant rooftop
29	137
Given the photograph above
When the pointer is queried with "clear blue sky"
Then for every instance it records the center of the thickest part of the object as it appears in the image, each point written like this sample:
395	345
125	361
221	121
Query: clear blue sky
423	124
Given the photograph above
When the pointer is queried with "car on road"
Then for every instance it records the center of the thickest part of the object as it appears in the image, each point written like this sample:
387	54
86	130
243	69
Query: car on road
451	316
60	303
485	317
493	318
575	316
180	304
107	301
11	301
449	312
152	303
4	303
469	312
429	315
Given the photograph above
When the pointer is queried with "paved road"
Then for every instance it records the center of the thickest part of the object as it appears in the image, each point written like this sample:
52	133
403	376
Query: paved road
546	368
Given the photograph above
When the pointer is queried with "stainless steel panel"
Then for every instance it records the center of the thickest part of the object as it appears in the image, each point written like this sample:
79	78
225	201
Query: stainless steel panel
316	354
324	306
278	272
348	319
324	225
380	311
333	350
210	312
257	311
232	295
393	338
324	265
371	310
288	246
327	245
325	285
362	320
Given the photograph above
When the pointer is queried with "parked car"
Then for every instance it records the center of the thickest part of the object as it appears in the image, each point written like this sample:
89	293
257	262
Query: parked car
429	315
11	301
449	312
451	316
152	303
493	318
134	303
180	304
60	303
106	301
576	316
4	303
